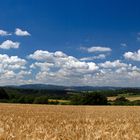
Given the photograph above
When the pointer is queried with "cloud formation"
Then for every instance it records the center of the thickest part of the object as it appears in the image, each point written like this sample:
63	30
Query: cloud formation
20	32
4	33
8	44
114	64
57	67
135	56
123	44
100	56
60	68
97	49
12	69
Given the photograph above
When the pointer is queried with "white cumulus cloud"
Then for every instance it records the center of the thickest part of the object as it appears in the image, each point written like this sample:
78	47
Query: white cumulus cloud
59	65
4	33
135	56
12	69
114	64
20	32
8	44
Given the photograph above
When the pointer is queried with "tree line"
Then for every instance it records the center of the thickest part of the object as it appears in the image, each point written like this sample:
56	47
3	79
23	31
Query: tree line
32	96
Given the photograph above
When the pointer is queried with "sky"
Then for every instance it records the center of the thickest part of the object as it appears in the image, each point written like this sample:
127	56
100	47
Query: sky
73	42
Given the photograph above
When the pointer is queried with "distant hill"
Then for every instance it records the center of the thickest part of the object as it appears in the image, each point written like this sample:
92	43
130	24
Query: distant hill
42	86
68	88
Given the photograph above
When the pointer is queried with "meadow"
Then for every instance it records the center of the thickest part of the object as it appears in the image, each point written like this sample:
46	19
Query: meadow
130	98
50	122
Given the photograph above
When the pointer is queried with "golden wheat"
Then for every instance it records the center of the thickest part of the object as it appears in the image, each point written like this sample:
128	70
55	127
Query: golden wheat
130	98
43	122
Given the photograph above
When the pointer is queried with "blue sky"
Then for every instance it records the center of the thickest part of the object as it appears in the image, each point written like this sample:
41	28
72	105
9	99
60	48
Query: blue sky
101	36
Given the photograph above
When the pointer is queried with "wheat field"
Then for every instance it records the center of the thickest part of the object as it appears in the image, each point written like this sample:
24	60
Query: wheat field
44	122
130	98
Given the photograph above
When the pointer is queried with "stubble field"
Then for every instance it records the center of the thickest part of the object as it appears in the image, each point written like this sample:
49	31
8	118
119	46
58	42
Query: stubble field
43	122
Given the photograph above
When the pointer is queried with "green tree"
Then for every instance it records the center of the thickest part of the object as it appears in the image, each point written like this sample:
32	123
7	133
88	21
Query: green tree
3	94
89	99
121	101
41	100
